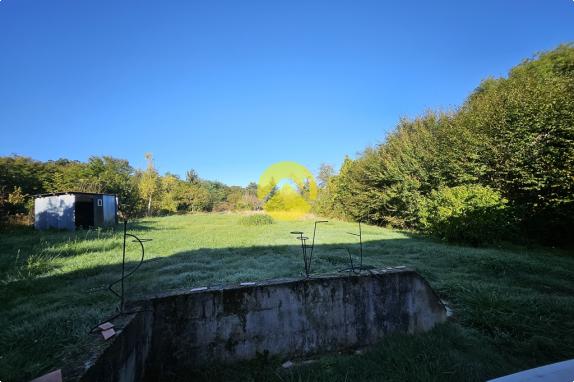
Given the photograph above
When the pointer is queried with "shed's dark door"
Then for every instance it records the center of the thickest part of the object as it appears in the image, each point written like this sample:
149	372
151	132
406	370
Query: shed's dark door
84	213
98	211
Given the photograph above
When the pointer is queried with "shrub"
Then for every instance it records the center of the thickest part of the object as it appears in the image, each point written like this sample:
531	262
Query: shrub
473	214
222	207
256	220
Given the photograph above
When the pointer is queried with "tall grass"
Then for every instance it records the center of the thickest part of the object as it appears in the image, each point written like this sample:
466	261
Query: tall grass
256	220
513	307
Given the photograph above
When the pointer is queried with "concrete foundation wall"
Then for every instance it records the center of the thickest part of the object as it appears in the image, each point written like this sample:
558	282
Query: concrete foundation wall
124	359
287	318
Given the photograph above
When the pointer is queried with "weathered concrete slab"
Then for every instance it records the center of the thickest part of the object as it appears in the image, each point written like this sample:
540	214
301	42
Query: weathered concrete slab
556	372
286	318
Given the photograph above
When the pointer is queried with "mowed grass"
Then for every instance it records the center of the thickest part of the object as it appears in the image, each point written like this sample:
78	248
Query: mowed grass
513	307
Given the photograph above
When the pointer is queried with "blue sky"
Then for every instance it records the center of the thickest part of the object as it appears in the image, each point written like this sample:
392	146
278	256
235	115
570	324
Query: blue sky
230	87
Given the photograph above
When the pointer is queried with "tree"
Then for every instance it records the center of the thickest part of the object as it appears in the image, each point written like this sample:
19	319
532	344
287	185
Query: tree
251	188
170	195
17	200
200	198
115	176
326	171
526	124
217	192
514	135
149	183
191	176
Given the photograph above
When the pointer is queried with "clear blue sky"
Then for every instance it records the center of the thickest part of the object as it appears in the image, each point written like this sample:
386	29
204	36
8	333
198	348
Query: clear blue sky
230	87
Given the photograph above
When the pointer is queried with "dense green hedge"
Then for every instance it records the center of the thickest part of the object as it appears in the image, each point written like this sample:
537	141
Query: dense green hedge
472	213
514	135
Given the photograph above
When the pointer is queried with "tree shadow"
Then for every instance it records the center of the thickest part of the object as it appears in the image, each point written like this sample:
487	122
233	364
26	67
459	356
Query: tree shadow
36	251
465	277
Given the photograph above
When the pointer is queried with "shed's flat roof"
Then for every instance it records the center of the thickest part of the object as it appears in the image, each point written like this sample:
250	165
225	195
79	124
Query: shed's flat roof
71	193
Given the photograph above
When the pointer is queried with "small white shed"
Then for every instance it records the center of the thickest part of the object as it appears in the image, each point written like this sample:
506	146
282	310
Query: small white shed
71	210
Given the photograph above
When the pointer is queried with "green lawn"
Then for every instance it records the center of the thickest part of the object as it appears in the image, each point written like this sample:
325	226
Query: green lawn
513	307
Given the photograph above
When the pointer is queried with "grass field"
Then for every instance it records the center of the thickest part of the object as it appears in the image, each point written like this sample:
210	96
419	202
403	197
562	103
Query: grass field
513	307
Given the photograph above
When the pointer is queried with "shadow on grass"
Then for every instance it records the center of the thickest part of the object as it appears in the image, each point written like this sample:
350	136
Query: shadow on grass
446	353
28	253
512	309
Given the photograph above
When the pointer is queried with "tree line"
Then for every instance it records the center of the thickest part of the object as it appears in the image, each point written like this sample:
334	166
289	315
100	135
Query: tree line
499	167
140	192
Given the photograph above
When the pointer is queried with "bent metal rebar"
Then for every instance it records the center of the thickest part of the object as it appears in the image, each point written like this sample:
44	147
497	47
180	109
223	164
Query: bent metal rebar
308	258
121	294
352	267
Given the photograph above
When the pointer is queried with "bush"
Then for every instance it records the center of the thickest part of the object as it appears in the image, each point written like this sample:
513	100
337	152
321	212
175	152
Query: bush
222	207
473	214
256	220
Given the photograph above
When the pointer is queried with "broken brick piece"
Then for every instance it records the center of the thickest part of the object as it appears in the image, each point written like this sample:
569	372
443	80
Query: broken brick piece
108	333
106	326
